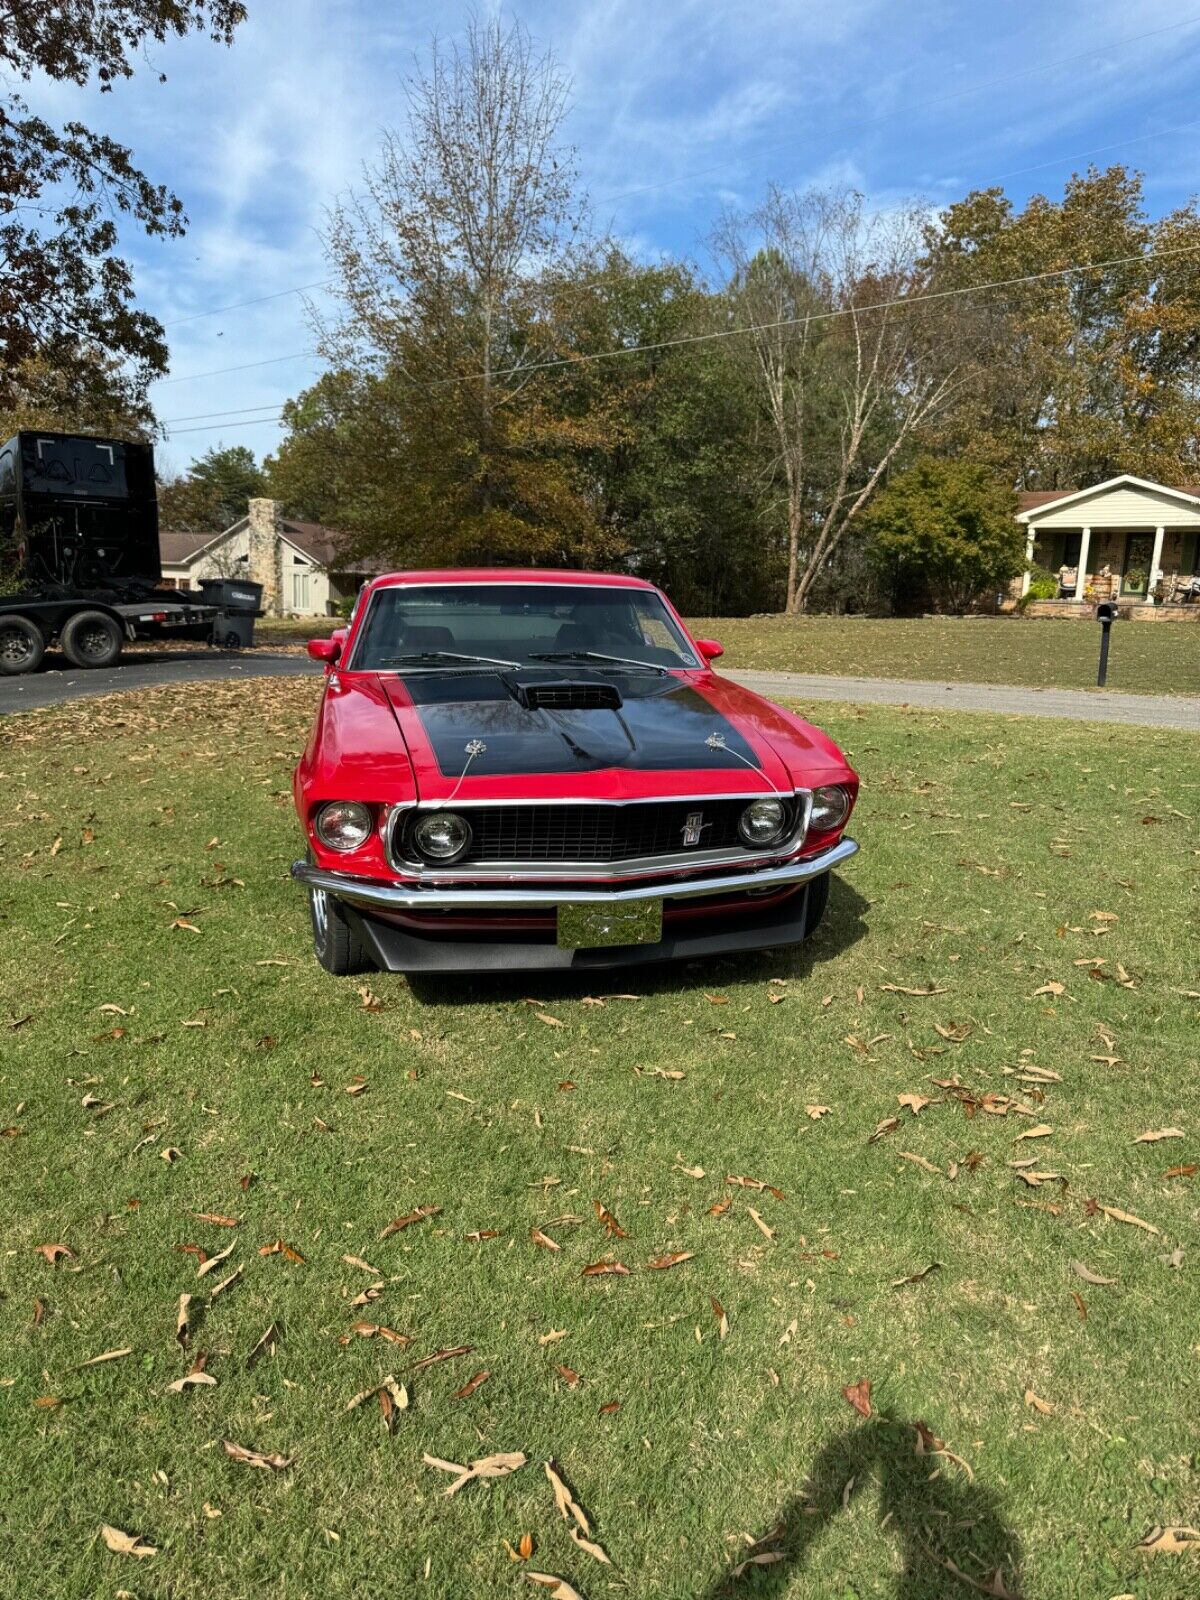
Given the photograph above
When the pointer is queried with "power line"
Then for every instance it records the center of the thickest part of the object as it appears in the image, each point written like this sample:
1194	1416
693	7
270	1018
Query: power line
247	422
686	177
259	300
686	340
218	372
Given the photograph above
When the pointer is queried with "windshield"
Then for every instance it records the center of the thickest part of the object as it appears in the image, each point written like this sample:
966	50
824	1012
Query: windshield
555	626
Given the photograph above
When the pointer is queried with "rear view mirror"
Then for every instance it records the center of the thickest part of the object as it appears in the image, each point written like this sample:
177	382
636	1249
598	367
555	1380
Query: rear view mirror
327	650
710	649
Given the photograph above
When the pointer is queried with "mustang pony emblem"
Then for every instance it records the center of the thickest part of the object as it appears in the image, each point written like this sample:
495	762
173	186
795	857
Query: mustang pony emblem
693	827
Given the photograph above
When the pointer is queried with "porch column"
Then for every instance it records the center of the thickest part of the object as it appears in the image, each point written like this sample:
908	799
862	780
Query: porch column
1155	562
1085	541
1026	576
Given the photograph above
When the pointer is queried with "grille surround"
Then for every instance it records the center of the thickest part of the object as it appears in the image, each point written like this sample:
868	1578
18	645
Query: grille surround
541	836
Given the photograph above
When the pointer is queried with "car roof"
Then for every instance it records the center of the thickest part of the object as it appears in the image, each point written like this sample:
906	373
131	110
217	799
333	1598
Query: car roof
504	575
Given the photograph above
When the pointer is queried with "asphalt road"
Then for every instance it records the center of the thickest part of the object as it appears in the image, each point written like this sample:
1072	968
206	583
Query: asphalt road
55	685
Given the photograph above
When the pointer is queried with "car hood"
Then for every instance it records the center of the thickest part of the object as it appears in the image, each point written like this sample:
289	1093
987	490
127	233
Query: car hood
469	735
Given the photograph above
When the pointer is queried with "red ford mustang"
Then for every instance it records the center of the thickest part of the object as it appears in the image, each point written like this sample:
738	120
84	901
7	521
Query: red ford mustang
523	769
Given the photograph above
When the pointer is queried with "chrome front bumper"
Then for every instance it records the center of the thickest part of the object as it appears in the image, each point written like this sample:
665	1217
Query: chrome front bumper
368	893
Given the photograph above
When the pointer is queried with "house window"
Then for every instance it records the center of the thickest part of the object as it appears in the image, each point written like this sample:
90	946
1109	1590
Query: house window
301	600
1190	562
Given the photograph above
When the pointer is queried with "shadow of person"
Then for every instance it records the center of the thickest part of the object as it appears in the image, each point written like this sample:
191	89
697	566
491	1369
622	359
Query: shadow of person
949	1532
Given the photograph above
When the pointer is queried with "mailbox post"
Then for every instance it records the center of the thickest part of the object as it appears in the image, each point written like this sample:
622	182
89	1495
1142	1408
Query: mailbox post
1106	615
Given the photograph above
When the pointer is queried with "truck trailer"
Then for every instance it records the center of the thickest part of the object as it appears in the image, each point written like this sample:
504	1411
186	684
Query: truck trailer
80	565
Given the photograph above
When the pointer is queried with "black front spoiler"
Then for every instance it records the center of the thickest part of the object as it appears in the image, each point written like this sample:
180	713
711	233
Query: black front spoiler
784	922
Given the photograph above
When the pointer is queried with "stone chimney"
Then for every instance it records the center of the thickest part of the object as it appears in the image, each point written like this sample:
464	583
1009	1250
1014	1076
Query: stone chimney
265	554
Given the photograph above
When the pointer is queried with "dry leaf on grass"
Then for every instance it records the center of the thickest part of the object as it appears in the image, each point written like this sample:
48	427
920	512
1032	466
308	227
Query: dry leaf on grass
225	1283
126	1544
54	1253
544	1239
441	1355
1088	1276
469	1388
1054	988
1042	1407
1187	1169
756	1183
559	1588
767	1232
496	1466
212	1262
859	1396
900	988
578	1527
722	1319
216	1218
1041	1130
181	1320
280	1247
608	1222
764	1558
920	1161
917	1277
1153	1135
600	1269
419	1215
914	1102
816	1112
109	1355
1118	1215
256	1458
268	1340
673	1259
1170	1542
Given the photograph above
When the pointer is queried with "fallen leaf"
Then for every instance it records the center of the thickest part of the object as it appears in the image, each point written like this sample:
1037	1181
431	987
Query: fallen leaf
1175	1259
553	1336
181	1320
767	1232
955	1032
816	1112
1187	1170
54	1253
215	1218
608	1409
569	1376
1170	1541
419	1215
126	1544
280	1247
764	1558
196	1378
1153	1135
267	1341
914	1102
1124	1216
900	988
917	1277
859	1396
757	1183
1054	987
720	1207
722	1319
608	1222
478	1235
1042	1407
661	1263
469	1388
1088	1276
920	1161
559	1588
690	1172
256	1458
544	1239
215	1261
109	1355
441	1355
551	1022
599	1269
888	1125
496	1466
1041	1130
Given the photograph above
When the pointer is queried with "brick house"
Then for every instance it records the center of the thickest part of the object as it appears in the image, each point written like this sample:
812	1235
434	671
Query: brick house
299	564
1127	540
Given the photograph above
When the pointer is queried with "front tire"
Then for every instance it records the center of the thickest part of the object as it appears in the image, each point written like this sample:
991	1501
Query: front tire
818	899
336	945
91	639
21	646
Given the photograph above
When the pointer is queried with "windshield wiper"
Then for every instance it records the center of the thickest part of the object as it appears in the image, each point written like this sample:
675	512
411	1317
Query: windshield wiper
433	658
596	655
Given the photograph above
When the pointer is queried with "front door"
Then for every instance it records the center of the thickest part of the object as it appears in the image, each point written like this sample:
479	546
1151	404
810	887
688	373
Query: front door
1139	552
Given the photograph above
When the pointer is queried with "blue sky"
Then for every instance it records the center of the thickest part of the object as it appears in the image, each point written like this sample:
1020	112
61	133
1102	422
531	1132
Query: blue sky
679	107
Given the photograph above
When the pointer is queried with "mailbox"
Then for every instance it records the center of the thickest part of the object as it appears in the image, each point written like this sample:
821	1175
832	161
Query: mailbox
1106	612
1106	615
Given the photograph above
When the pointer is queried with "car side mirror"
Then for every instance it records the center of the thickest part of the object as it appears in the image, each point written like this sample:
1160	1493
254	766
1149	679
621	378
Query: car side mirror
710	649
327	650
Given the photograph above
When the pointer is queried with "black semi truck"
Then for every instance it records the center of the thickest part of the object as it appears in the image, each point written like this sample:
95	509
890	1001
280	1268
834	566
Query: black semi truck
80	565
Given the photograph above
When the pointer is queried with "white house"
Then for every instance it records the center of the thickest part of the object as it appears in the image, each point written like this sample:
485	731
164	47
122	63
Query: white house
299	564
1127	540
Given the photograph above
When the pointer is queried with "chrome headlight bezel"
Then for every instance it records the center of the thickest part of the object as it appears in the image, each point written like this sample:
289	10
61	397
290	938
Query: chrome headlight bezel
429	820
830	808
770	805
351	818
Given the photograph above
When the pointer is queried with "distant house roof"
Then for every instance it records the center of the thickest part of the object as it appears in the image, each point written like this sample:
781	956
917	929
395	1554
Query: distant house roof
319	543
1034	499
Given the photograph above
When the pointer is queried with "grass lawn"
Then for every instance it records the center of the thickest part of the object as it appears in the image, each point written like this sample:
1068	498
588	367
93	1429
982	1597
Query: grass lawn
1022	923
1146	658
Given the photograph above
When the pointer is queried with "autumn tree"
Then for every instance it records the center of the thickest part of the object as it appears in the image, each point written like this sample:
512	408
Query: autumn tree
946	530
66	297
1093	332
829	302
444	265
214	492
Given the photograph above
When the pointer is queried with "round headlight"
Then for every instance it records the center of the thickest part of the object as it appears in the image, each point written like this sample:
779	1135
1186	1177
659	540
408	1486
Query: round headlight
830	807
763	822
343	824
442	835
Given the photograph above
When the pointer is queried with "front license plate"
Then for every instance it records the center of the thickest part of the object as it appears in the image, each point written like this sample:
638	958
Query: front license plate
591	926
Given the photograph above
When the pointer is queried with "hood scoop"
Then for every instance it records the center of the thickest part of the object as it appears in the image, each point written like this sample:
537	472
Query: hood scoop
565	695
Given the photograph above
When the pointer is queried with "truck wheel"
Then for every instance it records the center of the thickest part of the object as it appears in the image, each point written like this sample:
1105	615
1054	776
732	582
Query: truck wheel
91	639
335	944
21	645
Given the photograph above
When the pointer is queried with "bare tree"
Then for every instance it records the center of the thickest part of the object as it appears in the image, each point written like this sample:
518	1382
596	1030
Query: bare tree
850	359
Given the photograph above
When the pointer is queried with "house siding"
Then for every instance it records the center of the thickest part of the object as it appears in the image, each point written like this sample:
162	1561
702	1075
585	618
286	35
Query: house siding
1125	508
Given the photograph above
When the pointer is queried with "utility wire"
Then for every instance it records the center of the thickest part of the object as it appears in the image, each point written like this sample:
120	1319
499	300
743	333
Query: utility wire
686	340
687	177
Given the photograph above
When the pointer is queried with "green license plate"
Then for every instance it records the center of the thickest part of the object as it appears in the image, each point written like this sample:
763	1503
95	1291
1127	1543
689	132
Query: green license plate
591	926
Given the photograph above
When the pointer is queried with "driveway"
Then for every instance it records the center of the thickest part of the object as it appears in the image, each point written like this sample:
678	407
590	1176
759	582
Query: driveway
141	671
